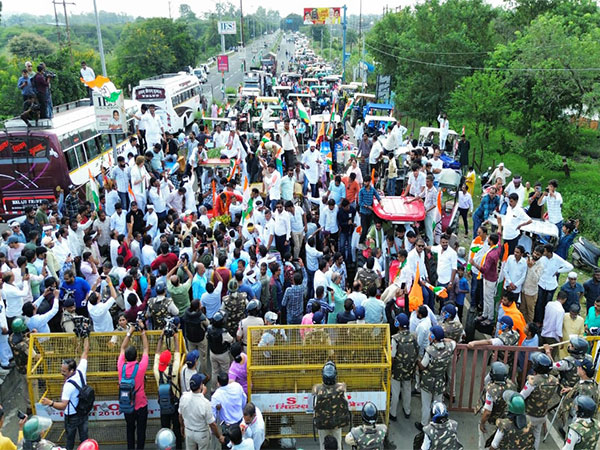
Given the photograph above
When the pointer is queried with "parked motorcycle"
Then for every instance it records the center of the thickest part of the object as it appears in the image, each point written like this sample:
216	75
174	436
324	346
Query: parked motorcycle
485	177
585	254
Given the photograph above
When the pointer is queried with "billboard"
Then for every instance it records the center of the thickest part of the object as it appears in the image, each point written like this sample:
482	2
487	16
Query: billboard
227	28
110	115
322	16
223	63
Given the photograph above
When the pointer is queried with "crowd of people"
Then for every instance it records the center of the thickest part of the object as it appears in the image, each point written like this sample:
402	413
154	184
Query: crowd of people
276	234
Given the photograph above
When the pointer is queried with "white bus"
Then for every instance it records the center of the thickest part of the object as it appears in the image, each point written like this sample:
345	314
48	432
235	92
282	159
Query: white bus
176	94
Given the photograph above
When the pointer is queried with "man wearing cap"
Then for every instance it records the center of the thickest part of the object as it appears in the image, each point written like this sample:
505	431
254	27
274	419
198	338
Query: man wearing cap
166	371
17	232
573	289
405	353
516	187
500	172
196	417
433	367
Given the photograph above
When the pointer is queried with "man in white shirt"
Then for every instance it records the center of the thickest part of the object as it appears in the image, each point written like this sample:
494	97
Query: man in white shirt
289	143
515	186
431	210
436	167
118	221
416	258
282	228
100	311
500	172
447	261
111	198
148	252
416	183
268	230
552	265
87	73
358	131
154	127
272	184
176	200
375	155
139	182
233	146
311	160
553	201
553	321
512	222
329	220
444	129
515	271
254	425
151	220
157	195
219	137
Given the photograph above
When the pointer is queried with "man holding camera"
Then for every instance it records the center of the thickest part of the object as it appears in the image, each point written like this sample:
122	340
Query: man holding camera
166	374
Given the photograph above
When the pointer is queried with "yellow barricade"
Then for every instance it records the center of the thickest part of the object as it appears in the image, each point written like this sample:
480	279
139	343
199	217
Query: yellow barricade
284	362
47	351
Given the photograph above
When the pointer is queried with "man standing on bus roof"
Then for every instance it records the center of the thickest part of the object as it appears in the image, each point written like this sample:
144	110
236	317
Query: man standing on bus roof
87	73
120	174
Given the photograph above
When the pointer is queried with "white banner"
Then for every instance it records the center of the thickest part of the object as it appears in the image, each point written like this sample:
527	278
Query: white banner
103	410
302	402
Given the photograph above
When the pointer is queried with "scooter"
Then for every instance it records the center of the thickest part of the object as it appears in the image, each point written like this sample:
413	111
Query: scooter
485	177
585	254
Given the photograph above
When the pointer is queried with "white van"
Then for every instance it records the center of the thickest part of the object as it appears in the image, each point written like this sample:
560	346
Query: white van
176	95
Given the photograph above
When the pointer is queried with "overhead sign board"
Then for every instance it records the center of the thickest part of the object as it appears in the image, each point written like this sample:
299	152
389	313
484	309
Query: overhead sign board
223	63
322	16
111	117
383	87
227	28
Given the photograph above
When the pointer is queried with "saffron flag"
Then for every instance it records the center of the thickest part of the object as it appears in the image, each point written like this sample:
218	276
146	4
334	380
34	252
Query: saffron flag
415	296
302	113
131	194
103	86
92	191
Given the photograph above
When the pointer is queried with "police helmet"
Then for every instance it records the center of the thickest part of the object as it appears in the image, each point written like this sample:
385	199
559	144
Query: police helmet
578	346
585	406
18	325
329	373
369	413
542	363
161	287
515	402
218	318
165	439
439	412
449	310
499	371
233	286
253	307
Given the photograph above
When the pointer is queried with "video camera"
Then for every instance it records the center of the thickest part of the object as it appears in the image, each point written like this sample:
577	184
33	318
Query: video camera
139	316
82	327
170	327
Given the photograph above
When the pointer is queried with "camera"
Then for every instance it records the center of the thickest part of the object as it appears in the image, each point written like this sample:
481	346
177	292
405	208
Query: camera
21	415
595	331
82	326
170	327
139	316
49	74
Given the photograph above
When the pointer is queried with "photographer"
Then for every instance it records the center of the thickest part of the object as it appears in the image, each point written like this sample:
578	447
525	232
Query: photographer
166	374
100	310
130	369
37	321
42	87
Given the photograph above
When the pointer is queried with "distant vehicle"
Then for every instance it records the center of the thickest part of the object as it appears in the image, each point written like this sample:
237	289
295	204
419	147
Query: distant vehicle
60	151
206	68
201	74
177	94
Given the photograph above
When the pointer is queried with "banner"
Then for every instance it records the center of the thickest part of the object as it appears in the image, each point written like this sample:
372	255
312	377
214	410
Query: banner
111	116
303	402
103	410
322	16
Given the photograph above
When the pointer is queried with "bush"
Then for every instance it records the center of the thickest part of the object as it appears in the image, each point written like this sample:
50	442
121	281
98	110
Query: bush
577	205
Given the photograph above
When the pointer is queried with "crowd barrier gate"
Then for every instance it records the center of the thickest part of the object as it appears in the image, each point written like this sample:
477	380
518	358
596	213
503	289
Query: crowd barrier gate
282	371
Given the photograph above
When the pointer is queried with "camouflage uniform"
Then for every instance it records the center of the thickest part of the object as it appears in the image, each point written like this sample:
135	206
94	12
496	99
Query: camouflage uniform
567	371
159	311
19	344
367	278
588	431
543	387
493	393
235	306
331	411
583	387
442	436
433	376
510	337
452	330
403	369
367	437
513	438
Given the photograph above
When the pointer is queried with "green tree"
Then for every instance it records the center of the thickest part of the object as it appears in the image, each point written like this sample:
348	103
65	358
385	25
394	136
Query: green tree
154	46
480	99
291	22
29	45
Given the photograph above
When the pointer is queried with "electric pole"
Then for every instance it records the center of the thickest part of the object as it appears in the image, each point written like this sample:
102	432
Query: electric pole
100	45
57	25
65	3
242	33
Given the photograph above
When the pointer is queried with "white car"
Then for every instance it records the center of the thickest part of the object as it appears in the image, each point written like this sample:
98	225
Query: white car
201	74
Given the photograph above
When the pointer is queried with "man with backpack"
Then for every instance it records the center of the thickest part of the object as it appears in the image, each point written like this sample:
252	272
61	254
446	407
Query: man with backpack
166	373
77	399
161	307
132	396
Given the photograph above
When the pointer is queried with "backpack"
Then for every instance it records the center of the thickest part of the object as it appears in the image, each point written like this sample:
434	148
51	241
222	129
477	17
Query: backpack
167	400
127	391
159	311
87	396
331	410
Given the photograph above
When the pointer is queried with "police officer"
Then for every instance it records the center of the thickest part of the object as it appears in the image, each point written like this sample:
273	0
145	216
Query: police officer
19	344
538	391
453	329
331	411
515	431
492	404
585	431
585	386
369	435
405	352
567	370
219	341
440	433
234	304
433	366
253	319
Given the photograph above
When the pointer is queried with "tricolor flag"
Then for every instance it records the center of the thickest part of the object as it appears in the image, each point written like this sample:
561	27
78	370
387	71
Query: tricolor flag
331	124
438	220
347	108
92	191
103	86
302	113
131	194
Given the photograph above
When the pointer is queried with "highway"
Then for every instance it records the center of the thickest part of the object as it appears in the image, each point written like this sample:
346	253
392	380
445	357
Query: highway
235	76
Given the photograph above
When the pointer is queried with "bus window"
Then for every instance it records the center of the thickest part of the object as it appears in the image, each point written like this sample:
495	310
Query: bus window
87	133
71	159
102	142
81	159
91	149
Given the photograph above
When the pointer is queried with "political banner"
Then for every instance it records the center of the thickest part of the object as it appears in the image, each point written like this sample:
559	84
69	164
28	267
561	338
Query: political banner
322	16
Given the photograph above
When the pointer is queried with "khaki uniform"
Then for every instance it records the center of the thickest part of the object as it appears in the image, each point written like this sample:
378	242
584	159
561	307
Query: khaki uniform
367	437
442	436
197	415
513	438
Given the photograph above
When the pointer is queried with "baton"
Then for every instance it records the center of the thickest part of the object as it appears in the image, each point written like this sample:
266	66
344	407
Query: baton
553	418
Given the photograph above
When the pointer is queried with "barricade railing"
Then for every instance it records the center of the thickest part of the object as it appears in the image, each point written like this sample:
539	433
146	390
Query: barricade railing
47	351
285	361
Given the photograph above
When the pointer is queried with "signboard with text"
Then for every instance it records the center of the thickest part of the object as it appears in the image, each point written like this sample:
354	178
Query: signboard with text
103	410
302	402
383	89
322	16
227	28
223	63
110	116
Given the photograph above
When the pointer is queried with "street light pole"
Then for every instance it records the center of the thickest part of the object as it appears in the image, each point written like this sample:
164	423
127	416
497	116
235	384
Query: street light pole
242	34
100	45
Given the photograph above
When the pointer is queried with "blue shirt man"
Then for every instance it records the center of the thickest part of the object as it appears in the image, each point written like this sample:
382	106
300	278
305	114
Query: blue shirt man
338	190
24	83
573	289
77	286
365	197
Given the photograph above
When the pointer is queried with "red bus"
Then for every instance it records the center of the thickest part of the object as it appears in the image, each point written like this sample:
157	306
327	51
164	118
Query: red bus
54	152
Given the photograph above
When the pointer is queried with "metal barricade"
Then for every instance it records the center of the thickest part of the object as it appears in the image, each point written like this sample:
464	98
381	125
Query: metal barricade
47	351
284	362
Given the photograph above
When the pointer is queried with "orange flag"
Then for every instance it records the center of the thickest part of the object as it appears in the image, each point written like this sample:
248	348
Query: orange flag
415	296
214	193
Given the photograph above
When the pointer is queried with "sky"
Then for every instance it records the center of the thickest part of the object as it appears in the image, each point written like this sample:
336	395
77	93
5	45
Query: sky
154	8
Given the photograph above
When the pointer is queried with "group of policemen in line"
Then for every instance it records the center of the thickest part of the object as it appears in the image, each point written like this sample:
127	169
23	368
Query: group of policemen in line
509	418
